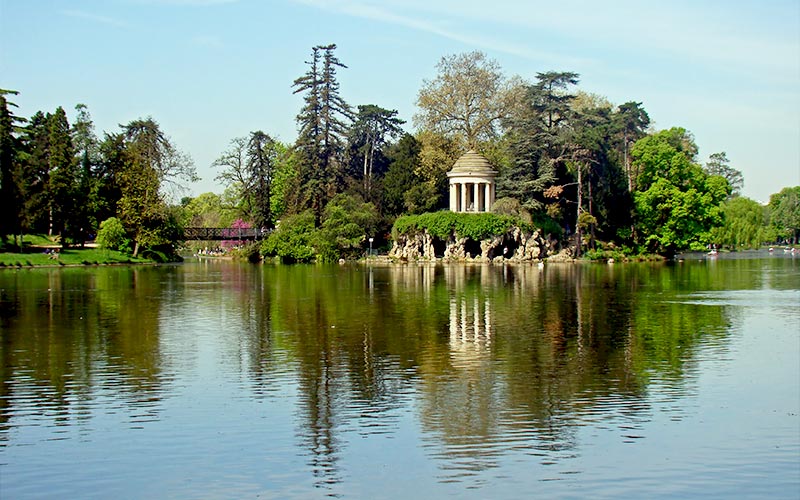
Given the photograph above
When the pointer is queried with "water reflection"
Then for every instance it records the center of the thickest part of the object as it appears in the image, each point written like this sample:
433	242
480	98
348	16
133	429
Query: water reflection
71	338
487	368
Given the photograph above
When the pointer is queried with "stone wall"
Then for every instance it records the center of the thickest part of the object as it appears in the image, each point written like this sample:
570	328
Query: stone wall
515	245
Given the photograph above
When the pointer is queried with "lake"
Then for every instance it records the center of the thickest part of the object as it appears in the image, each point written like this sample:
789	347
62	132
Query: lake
215	379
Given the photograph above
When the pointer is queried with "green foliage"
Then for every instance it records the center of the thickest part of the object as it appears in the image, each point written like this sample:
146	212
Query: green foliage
11	201
677	204
512	207
445	223
718	164
112	236
291	240
421	198
744	225
401	176
208	210
347	223
785	213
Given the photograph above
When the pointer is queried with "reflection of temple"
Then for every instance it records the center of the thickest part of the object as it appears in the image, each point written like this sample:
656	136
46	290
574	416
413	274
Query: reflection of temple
470	314
470	322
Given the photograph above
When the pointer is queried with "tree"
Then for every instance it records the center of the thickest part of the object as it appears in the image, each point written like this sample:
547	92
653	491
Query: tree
87	204
369	134
34	175
438	153
347	223
11	201
744	224
676	204
63	182
718	164
323	123
631	122
402	174
467	100
150	159
208	210
784	208
257	168
261	164
291	241
539	131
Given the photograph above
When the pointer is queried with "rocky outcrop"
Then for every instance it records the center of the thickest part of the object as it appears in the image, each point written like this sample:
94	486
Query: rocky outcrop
515	245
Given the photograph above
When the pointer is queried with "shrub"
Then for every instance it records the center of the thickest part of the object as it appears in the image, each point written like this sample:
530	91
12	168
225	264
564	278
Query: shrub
112	235
291	241
443	224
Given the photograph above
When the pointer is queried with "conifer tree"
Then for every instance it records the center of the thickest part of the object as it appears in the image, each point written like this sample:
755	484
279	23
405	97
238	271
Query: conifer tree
10	196
323	123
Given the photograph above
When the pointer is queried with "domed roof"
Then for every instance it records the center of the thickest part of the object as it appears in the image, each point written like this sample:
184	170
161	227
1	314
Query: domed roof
473	163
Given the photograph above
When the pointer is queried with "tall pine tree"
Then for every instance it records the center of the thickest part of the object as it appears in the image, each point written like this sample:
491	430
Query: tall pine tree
10	195
323	123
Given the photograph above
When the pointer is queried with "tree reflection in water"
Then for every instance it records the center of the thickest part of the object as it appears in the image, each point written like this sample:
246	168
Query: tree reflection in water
492	361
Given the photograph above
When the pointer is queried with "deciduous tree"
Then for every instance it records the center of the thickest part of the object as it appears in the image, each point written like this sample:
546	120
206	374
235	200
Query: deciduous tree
467	100
150	160
677	204
719	164
784	208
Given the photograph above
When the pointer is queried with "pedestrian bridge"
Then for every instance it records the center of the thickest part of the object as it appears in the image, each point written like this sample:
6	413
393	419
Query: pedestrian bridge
223	233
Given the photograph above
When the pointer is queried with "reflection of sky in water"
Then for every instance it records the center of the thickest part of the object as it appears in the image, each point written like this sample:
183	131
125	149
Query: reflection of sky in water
426	381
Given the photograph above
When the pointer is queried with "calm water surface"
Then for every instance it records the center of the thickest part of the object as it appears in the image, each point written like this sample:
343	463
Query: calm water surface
225	380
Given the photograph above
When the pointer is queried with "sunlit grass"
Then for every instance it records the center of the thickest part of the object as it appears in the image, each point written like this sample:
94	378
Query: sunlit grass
71	256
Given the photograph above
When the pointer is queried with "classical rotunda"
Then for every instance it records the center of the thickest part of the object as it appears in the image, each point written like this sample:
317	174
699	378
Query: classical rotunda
472	184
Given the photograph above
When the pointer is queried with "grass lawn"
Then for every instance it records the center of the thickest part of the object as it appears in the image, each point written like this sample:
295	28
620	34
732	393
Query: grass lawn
70	256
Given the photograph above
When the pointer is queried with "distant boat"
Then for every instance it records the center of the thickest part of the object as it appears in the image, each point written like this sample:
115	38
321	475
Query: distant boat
713	253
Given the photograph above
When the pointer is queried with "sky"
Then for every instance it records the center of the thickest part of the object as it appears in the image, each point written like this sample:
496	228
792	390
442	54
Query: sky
208	71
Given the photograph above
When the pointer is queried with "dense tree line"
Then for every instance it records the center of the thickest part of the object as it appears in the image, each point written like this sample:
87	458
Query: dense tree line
62	180
593	174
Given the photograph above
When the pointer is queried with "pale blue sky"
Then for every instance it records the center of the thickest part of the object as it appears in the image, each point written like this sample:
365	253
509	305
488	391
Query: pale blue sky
211	70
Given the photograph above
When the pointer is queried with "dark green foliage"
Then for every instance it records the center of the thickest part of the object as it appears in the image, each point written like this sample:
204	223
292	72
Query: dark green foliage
372	129
444	224
260	167
539	135
348	222
323	122
401	176
11	200
63	181
630	123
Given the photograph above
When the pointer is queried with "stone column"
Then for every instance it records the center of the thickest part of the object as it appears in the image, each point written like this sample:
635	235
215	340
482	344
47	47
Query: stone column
487	197
453	200
475	199
463	205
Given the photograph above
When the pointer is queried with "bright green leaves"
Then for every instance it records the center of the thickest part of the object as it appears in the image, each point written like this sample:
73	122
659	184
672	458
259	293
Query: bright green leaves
677	204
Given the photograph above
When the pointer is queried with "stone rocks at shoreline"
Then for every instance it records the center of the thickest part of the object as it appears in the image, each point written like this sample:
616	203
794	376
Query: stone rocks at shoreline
515	245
